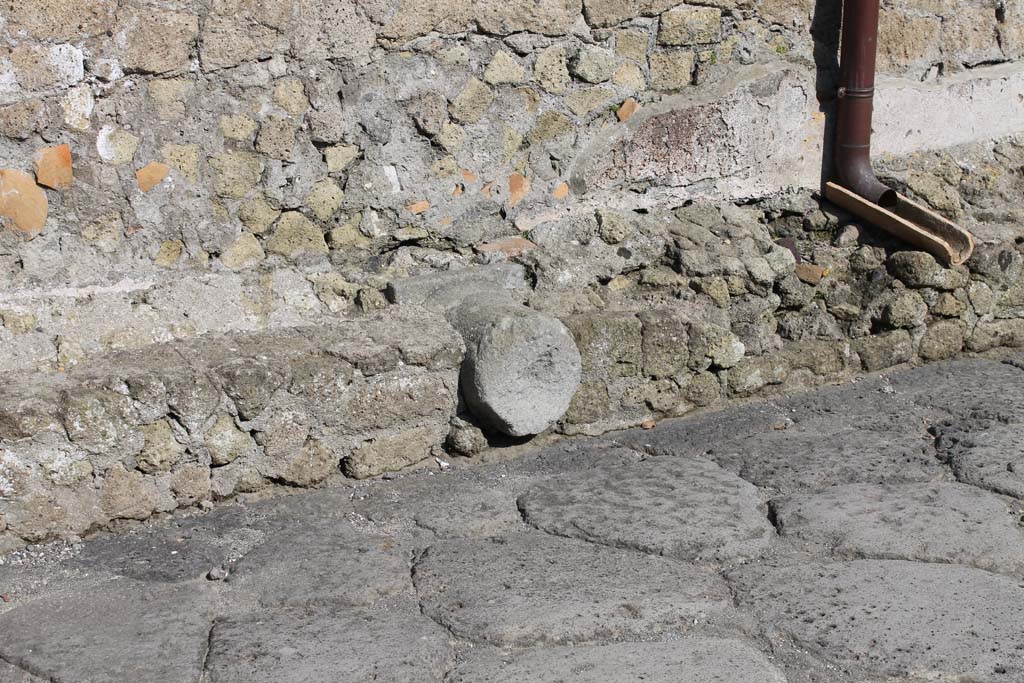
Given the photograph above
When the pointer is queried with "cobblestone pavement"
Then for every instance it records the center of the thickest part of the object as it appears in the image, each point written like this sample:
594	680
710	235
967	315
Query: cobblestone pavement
862	533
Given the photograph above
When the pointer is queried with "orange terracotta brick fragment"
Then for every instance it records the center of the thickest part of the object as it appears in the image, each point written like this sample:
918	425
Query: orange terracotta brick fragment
53	167
151	175
518	188
418	207
628	108
469	177
510	246
486	189
561	192
23	204
459	189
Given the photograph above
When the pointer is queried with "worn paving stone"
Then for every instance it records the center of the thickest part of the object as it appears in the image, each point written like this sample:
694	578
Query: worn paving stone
325	562
118	630
694	660
180	550
696	435
979	385
343	645
532	588
12	674
808	457
924	522
684	508
480	501
985	452
876	619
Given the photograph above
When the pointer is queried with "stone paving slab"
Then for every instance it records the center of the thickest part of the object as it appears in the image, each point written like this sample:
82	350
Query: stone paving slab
532	588
329	562
118	630
480	501
893	618
303	645
950	523
987	453
694	660
685	508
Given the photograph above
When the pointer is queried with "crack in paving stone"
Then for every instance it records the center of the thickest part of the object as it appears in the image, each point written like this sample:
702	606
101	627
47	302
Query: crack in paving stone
36	674
204	672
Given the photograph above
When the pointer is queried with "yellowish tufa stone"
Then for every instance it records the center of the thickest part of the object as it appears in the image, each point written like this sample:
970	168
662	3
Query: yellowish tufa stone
290	95
630	77
296	236
169	254
452	137
325	199
504	70
276	138
552	71
672	70
238	127
348	235
586	101
18	322
245	252
258	214
235	173
340	157
105	233
473	102
168	95
632	44
116	146
184	159
161	451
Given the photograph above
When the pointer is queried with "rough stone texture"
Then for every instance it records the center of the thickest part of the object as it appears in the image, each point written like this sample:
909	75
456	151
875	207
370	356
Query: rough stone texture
65	637
318	153
950	523
682	508
699	660
882	619
435	575
524	589
191	421
327	644
522	368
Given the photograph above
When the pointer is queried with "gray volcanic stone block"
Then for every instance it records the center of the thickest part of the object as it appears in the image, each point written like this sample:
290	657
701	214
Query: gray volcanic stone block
882	619
522	368
328	644
532	588
981	385
480	501
321	562
988	454
924	522
683	508
694	660
119	630
442	290
813	456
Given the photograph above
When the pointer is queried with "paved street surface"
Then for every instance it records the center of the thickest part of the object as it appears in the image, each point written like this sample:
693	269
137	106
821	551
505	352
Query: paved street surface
863	533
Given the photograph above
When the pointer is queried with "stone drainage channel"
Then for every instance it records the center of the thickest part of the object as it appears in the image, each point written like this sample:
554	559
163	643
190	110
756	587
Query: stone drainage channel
863	533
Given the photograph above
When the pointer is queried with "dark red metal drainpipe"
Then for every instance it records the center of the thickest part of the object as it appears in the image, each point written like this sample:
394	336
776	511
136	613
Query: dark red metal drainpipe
856	103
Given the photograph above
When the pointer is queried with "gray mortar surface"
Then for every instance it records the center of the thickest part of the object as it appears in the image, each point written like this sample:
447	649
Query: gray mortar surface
889	553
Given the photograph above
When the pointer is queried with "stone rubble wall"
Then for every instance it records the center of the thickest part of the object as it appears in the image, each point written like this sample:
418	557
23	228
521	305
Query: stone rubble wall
184	423
249	164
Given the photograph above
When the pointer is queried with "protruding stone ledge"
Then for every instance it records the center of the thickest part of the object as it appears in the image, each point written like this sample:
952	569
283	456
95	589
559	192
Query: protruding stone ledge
176	425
